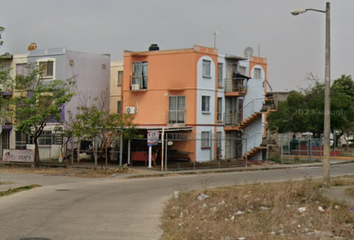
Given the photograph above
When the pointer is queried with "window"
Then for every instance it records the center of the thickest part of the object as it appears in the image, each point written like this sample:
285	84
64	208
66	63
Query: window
21	69
205	140
46	69
140	75
177	107
242	70
219	117
206	68
205	103
120	76
45	138
257	73
218	145
220	65
21	139
119	107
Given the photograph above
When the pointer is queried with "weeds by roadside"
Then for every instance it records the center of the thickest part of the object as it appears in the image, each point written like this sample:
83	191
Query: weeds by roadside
288	210
16	190
71	172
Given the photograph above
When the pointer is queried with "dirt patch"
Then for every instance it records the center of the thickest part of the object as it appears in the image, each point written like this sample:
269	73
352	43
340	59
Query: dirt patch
289	210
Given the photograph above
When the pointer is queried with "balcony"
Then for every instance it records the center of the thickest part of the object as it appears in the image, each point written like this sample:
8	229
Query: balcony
235	87
138	83
176	117
232	121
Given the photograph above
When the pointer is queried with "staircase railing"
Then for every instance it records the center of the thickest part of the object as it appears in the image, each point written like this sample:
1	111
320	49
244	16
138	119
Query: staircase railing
234	119
252	107
251	142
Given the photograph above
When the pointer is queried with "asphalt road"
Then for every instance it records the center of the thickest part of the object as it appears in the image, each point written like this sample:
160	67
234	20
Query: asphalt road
105	209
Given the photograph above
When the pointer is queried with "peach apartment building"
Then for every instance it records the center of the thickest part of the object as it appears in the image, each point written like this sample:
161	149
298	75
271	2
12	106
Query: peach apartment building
203	100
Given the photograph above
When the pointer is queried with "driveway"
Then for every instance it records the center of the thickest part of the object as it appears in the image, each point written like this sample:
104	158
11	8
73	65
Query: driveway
105	209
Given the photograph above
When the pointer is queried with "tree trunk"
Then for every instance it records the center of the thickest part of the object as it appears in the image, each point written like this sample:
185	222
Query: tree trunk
36	153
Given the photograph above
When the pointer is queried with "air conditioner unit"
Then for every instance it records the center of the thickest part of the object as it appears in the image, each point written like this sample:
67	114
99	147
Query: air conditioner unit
135	86
130	110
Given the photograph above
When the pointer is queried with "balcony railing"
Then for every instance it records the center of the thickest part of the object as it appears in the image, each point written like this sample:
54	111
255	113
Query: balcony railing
236	85
138	82
176	117
232	119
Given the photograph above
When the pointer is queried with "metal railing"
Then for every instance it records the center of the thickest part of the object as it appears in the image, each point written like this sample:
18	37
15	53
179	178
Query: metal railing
232	119
235	85
138	82
176	117
252	142
252	107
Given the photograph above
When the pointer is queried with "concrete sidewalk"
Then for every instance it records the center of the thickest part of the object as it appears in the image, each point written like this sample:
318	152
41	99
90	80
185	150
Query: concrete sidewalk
338	194
157	173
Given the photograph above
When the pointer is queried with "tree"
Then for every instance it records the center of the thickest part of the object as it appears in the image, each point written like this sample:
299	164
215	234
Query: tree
36	103
93	122
303	110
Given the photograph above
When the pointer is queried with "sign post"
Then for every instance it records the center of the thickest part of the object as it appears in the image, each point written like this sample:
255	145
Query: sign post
152	140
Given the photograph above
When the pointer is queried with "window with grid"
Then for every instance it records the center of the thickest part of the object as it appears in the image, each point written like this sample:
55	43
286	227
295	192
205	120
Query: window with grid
120	76
21	69
177	109
140	75
46	69
45	138
218	144
205	140
21	139
119	107
219	113
257	73
206	68
205	103
220	65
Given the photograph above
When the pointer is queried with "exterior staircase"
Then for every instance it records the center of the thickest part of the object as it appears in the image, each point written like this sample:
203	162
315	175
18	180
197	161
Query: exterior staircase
254	110
258	142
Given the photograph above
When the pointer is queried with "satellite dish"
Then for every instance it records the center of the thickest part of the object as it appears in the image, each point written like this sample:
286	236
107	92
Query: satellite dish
248	52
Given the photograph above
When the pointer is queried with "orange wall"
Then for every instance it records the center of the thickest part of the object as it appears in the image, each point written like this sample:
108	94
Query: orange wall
171	72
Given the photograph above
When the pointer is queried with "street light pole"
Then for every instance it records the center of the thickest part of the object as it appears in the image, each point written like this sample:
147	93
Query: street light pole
327	108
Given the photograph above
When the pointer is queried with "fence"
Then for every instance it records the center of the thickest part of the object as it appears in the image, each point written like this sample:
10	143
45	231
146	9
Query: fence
305	149
218	150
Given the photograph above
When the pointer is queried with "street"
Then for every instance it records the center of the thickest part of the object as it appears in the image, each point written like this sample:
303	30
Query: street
66	208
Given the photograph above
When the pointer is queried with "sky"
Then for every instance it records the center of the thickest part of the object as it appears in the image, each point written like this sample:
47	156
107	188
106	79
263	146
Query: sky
293	45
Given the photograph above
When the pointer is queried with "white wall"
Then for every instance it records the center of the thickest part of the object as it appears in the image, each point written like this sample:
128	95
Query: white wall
204	155
92	79
206	87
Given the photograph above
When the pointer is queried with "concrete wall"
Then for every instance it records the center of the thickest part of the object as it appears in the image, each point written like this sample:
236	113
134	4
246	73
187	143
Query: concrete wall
91	72
115	90
92	75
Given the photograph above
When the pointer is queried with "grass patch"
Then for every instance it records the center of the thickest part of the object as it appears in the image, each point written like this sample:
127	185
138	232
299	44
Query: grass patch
350	191
16	190
71	172
288	210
